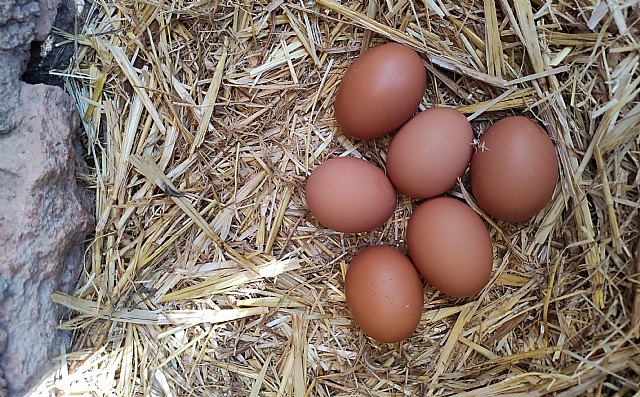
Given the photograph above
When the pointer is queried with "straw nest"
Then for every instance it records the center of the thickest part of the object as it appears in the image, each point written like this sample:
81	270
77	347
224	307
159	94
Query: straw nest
208	277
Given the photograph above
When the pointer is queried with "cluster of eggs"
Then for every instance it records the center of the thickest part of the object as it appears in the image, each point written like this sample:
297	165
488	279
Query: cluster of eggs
513	173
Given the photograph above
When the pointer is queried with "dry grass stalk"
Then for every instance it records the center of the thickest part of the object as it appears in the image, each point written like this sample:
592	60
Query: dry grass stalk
206	275
492	39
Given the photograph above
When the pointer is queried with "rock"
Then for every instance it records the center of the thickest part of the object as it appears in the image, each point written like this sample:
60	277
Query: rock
21	21
42	227
47	11
17	25
11	63
3	383
42	219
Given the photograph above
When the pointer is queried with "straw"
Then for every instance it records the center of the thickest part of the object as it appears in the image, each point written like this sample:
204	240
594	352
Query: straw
207	275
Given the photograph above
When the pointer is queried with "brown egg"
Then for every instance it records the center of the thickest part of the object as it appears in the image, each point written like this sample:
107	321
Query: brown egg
429	153
450	246
380	91
515	169
350	195
384	293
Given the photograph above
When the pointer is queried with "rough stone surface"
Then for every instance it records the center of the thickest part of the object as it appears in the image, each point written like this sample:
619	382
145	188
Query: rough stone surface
17	29
42	219
47	10
11	63
4	392
42	227
21	21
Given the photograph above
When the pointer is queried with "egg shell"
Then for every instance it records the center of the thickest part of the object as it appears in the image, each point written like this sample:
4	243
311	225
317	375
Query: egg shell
350	195
429	153
515	169
450	246
380	91
384	293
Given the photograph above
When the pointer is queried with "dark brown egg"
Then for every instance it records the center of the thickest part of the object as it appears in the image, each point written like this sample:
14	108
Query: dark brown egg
429	153
450	246
380	91
384	293
350	195
515	169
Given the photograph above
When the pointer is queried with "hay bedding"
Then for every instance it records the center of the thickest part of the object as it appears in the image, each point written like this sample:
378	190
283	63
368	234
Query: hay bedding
207	276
